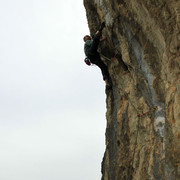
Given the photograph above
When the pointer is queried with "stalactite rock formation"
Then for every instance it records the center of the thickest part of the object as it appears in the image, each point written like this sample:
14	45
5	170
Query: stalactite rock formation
142	52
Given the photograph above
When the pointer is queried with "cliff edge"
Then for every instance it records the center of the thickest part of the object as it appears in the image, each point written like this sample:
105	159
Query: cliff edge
142	52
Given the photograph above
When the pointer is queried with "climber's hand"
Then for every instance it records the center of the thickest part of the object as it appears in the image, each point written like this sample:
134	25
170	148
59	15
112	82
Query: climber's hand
103	39
98	33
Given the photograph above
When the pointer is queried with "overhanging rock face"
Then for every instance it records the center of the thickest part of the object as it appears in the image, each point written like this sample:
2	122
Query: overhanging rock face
142	52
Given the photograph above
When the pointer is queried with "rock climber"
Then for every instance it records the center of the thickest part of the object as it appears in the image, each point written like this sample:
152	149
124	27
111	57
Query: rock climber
90	50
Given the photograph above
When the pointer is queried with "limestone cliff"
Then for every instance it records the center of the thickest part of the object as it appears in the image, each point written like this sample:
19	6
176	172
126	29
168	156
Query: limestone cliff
142	52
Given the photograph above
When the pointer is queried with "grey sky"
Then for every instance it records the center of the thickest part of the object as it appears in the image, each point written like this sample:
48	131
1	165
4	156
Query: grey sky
52	106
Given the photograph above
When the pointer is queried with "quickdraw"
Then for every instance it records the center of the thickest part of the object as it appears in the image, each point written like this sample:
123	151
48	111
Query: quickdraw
148	112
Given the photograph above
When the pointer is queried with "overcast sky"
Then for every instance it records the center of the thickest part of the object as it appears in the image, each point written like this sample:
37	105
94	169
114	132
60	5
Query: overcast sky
52	105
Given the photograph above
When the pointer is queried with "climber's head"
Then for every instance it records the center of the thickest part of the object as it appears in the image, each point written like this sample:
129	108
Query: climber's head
86	37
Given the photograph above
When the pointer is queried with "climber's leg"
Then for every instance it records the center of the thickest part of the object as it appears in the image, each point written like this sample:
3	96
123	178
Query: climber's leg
102	66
